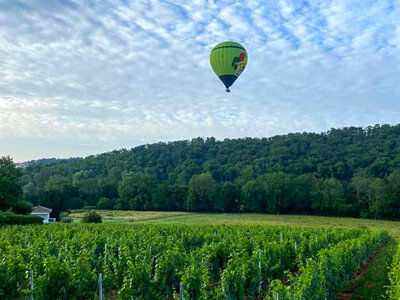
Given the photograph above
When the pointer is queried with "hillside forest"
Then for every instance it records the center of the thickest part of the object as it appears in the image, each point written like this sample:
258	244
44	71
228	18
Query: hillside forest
343	172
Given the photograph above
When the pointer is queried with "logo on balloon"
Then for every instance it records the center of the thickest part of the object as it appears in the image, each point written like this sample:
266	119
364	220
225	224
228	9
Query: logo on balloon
239	64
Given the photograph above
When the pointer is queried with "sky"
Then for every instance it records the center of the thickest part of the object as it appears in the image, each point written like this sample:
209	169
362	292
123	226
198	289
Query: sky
86	77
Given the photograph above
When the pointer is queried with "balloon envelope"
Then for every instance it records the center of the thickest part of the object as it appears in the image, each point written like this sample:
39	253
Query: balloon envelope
228	60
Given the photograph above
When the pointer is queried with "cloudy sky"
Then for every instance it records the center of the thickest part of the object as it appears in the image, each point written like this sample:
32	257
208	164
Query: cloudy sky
85	77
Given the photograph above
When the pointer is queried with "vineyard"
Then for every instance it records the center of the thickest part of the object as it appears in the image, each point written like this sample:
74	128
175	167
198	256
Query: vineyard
394	276
211	262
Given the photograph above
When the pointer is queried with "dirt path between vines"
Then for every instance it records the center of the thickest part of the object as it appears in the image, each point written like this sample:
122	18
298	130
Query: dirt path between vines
371	278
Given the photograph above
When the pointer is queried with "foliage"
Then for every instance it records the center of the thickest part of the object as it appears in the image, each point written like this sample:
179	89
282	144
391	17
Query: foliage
394	277
344	172
9	218
202	190
65	218
10	189
105	203
91	217
149	261
320	278
22	207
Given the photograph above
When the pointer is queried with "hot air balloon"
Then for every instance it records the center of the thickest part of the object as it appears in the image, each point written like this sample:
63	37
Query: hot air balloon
228	60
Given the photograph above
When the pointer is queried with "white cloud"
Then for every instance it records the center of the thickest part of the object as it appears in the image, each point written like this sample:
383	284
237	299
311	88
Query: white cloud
112	71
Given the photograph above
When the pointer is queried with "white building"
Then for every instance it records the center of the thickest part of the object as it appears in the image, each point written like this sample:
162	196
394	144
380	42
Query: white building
44	213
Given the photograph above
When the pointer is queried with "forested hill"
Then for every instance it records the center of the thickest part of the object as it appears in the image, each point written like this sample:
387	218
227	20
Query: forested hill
350	171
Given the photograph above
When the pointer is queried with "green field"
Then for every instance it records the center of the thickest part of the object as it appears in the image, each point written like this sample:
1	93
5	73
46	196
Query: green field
393	228
214	256
370	281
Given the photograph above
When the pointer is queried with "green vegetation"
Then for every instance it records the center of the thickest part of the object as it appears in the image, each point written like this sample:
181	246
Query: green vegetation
148	261
236	189
321	278
8	218
372	279
394	289
65	218
91	217
348	172
178	218
122	216
10	189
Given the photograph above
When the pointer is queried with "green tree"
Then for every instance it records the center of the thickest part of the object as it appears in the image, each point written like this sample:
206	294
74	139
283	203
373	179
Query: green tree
354	156
245	175
105	203
228	198
278	191
328	196
136	191
253	197
10	189
170	197
202	192
301	193
377	197
58	191
392	206
361	186
31	192
87	183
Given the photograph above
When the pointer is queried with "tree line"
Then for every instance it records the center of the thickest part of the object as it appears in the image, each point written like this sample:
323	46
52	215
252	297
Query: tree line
343	172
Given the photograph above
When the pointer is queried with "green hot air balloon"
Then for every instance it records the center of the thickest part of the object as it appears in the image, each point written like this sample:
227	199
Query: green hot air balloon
228	60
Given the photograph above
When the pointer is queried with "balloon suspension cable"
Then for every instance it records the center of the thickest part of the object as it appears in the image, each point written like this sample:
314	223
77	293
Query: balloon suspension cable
228	90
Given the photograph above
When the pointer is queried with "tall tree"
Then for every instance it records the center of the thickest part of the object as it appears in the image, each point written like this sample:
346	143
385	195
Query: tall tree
253	197
228	197
392	207
135	190
58	191
278	191
202	192
10	189
327	196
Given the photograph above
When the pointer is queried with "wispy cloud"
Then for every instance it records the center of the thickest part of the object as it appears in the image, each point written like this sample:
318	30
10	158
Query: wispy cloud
117	73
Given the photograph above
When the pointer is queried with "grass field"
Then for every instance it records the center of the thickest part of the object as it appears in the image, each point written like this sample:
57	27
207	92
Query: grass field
121	216
110	216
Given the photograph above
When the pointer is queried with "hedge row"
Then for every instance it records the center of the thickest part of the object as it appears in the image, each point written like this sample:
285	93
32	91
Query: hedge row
9	218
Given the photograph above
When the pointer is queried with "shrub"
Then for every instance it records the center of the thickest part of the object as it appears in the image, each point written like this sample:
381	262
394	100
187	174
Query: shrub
22	207
105	203
65	218
91	217
9	218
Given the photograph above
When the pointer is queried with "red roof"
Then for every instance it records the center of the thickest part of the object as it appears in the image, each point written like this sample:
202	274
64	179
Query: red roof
41	209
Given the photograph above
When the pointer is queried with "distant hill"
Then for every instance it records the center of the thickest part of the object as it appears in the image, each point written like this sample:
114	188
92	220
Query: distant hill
41	161
38	161
349	171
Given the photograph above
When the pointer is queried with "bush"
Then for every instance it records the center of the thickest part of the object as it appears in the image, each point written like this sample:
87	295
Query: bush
65	218
91	217
105	203
22	207
9	218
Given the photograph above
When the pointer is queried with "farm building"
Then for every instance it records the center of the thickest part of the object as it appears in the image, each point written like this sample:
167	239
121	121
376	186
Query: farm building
44	213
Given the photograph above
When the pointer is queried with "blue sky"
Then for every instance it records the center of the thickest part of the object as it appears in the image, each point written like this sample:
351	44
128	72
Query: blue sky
85	77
